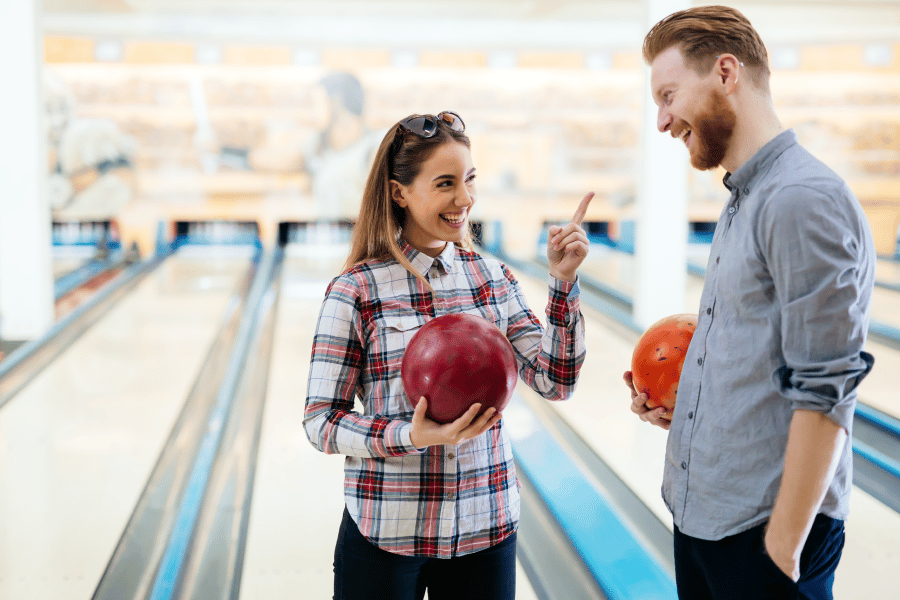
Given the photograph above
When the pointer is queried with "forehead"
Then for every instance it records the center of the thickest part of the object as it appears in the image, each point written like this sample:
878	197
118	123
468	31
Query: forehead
448	158
669	68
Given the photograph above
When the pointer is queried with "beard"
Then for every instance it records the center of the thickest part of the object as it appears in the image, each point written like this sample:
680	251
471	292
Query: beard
714	126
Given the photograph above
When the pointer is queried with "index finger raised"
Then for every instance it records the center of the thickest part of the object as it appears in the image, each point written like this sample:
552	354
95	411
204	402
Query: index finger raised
582	208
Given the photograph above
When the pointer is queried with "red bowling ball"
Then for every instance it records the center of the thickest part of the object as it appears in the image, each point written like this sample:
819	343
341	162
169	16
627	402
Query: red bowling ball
455	361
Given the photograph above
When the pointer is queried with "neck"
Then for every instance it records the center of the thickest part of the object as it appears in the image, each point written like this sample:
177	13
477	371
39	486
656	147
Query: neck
432	251
756	126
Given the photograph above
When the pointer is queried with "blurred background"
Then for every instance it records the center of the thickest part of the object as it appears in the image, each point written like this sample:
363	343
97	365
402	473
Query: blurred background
253	110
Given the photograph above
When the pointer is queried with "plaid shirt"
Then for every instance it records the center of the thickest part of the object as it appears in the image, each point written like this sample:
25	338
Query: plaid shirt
443	501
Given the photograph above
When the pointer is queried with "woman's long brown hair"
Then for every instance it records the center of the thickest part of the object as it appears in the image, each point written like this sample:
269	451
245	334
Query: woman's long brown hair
380	223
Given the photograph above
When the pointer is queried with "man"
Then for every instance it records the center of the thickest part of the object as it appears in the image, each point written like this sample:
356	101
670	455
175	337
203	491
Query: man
758	468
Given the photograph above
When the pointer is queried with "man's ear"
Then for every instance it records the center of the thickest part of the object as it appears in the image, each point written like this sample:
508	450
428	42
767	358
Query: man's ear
728	71
397	194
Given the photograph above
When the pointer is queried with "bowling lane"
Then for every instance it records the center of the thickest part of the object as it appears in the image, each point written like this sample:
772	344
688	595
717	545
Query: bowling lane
79	442
65	264
616	269
298	494
611	267
886	306
878	390
635	450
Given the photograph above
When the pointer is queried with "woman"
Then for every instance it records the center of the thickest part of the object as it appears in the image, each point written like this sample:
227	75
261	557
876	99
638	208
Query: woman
428	505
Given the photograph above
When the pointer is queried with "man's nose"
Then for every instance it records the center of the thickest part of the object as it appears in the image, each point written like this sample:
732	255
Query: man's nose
663	119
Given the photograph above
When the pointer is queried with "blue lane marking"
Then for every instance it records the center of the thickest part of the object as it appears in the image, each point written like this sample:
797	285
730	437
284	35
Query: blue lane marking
623	568
188	511
876	417
78	277
884	330
183	530
885	463
889	286
696	269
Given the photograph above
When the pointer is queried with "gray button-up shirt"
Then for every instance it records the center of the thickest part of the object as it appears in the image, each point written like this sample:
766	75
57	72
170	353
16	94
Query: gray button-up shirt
782	326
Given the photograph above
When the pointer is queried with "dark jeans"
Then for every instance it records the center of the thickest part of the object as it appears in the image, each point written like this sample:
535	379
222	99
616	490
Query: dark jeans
737	567
363	571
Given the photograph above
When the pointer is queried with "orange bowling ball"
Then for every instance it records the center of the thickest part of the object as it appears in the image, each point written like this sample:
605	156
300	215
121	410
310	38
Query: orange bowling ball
658	357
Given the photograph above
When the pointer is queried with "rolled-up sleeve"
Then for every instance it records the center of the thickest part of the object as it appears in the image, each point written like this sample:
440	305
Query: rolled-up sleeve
817	254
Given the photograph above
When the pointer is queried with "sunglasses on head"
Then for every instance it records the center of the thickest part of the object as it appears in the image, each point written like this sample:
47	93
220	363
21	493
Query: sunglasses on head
425	126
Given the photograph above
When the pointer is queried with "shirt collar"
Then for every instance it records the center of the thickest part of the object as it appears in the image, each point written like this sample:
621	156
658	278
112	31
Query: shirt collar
423	263
744	178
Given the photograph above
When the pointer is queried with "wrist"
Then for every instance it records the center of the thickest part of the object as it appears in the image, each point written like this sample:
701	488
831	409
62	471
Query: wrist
780	545
568	277
416	440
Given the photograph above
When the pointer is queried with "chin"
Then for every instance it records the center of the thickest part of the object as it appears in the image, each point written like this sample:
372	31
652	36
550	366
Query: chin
704	165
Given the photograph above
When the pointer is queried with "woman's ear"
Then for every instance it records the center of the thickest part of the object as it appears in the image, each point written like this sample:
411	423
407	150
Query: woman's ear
397	194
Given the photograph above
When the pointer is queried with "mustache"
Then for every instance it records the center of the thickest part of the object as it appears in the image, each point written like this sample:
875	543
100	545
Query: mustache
677	129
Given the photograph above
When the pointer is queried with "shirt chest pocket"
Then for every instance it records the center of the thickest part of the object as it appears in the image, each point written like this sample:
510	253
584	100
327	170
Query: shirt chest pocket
392	338
398	331
385	355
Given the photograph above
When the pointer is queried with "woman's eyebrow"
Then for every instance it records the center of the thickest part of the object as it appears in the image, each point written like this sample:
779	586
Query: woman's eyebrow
446	176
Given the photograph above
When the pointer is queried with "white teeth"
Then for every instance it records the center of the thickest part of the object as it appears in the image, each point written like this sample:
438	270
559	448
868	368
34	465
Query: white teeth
454	219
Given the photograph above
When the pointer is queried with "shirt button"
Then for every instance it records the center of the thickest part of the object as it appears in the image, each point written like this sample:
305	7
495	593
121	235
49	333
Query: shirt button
731	210
709	311
451	455
717	259
699	361
684	465
691	415
746	191
449	496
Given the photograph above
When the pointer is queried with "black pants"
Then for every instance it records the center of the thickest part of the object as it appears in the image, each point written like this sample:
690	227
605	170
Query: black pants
737	567
363	571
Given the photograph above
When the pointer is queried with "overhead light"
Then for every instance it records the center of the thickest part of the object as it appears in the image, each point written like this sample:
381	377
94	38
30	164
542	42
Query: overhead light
598	61
785	57
306	57
405	59
208	54
878	55
108	51
503	59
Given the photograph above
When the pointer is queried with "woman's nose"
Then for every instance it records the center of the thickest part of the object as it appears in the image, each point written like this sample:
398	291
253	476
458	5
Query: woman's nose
466	197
